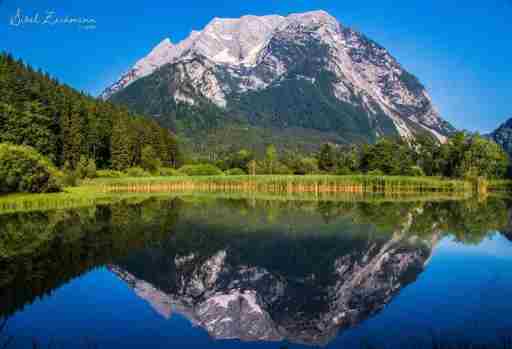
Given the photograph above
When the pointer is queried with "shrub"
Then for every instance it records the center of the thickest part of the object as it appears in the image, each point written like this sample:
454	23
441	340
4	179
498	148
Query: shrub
149	160
200	170
235	172
86	168
278	168
305	166
137	172
343	171
69	178
81	168
282	169
168	172
23	169
90	170
109	174
375	173
415	171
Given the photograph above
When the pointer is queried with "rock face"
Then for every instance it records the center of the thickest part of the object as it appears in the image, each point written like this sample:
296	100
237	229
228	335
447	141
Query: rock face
231	300
503	136
304	70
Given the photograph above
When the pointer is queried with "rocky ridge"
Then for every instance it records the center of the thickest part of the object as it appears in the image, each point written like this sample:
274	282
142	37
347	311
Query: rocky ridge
244	66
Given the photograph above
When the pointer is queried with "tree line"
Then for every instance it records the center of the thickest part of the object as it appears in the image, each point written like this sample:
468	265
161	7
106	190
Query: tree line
68	126
464	155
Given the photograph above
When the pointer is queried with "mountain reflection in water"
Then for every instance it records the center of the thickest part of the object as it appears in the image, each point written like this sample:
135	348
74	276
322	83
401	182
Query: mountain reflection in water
255	270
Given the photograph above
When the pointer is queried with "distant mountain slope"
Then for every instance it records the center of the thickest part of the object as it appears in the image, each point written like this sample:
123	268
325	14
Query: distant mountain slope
302	71
503	136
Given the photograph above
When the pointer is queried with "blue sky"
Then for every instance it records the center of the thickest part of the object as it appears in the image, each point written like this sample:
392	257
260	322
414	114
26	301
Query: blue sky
460	50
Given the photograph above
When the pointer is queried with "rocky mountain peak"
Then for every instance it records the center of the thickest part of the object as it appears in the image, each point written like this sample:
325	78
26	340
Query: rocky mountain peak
318	17
234	41
160	55
164	45
349	83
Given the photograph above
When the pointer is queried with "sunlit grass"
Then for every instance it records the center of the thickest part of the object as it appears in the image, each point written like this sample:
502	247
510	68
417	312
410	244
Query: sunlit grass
315	187
504	185
284	184
71	198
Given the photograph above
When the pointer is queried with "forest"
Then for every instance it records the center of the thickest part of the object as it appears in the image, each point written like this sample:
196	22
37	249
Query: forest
65	125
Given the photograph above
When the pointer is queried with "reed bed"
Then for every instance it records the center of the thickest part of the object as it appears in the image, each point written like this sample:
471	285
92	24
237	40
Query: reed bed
319	188
504	185
289	184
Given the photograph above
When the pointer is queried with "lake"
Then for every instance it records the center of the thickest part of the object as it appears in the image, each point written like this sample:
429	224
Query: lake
218	272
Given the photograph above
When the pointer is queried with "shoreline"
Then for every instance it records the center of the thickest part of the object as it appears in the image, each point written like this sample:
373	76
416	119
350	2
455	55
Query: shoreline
307	188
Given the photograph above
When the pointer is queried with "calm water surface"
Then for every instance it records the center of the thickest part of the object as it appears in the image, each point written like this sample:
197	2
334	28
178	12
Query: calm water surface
194	272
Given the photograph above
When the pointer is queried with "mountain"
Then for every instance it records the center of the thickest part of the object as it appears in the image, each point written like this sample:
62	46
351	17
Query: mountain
256	79
503	136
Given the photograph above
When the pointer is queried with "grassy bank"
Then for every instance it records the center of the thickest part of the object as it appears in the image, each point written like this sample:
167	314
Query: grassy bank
322	188
83	196
286	184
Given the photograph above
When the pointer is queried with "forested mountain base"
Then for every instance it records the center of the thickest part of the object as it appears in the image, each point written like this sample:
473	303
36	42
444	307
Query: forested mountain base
66	125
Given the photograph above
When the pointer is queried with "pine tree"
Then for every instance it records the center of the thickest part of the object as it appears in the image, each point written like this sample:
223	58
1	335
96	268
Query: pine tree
327	158
120	148
270	158
39	134
71	135
149	159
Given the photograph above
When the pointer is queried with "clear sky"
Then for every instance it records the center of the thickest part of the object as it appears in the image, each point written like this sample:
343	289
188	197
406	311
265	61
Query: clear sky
460	50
